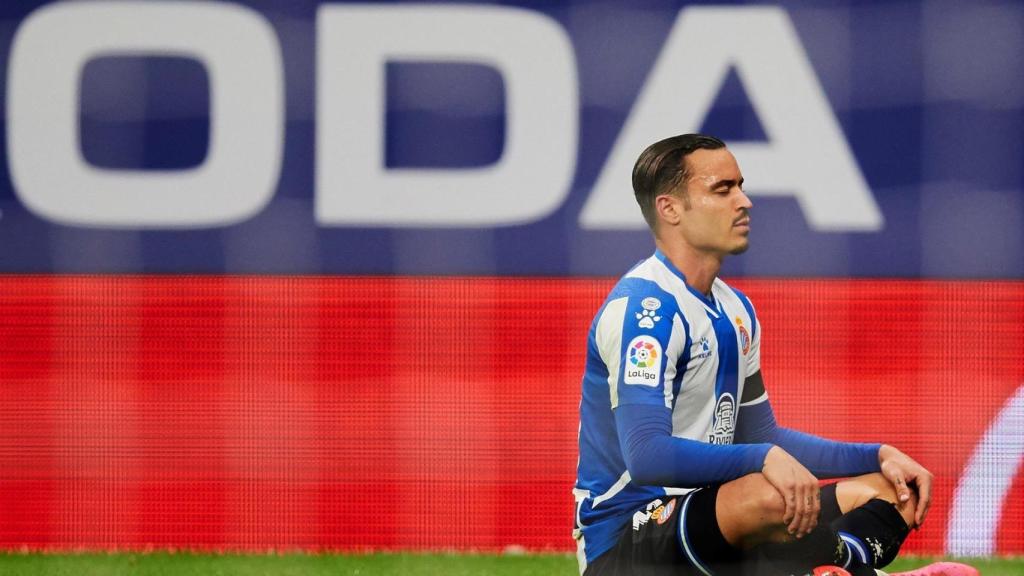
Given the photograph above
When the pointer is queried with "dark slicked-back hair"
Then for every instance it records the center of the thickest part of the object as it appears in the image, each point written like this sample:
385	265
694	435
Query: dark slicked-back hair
661	168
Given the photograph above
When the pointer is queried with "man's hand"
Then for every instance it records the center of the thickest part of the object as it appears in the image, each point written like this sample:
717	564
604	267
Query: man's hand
799	489
903	471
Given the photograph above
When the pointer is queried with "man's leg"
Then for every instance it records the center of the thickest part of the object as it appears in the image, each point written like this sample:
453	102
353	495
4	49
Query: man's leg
874	523
719	527
749	511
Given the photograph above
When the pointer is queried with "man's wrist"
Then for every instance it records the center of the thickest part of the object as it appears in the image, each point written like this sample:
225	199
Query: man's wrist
764	455
885	452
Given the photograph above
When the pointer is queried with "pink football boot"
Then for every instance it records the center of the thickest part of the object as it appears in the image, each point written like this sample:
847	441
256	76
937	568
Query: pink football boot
941	569
830	571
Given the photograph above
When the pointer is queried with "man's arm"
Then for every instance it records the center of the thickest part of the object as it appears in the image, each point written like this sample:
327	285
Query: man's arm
828	458
824	458
655	457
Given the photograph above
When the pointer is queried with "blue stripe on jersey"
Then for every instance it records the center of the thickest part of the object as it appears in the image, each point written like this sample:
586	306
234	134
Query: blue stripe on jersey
684	362
750	311
726	380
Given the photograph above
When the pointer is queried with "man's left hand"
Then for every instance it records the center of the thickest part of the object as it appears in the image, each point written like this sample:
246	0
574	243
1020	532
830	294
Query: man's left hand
903	472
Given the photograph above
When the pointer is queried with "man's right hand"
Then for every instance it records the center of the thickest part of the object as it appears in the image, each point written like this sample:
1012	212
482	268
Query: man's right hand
799	489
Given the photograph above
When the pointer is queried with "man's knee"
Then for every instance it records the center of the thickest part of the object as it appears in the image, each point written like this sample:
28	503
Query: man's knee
769	503
753	496
750	511
855	492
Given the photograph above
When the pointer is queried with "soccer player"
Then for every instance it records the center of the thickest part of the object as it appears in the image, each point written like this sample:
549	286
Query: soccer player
682	466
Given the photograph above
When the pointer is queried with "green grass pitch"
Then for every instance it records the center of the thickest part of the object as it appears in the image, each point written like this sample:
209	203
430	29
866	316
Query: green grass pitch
187	564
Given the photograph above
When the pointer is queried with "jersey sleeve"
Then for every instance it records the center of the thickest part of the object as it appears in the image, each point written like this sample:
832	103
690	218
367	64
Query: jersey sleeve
641	338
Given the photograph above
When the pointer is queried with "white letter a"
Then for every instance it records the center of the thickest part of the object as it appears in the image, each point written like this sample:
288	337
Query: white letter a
806	155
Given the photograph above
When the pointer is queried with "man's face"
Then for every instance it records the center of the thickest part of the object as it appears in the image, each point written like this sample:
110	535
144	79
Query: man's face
716	218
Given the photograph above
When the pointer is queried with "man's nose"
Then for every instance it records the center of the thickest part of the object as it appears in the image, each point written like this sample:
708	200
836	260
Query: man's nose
744	201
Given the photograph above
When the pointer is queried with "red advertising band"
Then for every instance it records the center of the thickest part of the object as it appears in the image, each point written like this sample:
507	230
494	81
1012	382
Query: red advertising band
441	413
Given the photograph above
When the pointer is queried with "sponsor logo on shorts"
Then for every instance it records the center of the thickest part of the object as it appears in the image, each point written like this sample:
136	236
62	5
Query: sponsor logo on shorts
655	510
663	513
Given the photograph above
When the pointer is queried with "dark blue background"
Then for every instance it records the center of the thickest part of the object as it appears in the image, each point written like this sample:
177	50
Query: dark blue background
930	97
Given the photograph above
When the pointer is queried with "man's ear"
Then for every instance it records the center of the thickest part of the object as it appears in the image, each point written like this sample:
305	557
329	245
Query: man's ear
669	208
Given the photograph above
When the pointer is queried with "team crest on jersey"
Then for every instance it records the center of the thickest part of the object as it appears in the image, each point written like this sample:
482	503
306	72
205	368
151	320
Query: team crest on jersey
644	354
725	420
744	336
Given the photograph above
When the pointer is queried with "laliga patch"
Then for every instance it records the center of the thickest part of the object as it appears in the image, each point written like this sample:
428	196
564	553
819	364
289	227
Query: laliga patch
643	360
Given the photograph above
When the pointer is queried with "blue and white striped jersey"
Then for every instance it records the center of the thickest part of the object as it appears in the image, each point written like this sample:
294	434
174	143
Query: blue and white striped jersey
657	341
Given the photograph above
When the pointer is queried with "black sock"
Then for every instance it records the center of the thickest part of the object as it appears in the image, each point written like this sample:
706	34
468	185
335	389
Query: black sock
821	547
873	532
860	540
812	550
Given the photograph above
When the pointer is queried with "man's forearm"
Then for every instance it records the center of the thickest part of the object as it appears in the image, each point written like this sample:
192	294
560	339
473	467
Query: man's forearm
828	458
824	458
655	457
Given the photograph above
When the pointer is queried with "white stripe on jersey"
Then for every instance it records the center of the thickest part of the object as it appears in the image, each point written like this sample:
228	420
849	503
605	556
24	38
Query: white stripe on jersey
609	341
676	344
615	489
577	533
581	553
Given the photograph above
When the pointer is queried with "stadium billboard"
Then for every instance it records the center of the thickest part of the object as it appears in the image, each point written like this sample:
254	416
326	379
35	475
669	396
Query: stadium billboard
476	138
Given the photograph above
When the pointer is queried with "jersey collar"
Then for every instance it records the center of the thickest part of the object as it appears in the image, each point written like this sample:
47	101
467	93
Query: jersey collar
708	300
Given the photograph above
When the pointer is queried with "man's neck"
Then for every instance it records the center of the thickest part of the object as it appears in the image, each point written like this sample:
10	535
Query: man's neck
699	268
